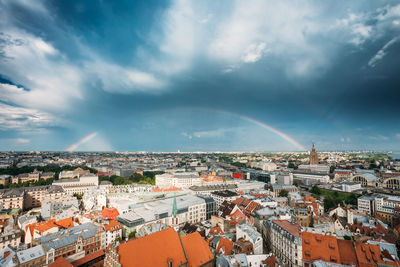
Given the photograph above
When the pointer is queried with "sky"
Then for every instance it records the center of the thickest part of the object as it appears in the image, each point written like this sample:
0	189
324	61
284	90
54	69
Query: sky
199	75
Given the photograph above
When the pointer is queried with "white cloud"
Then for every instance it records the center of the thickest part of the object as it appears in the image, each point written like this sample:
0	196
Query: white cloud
381	53
25	119
22	141
378	137
38	66
254	52
212	133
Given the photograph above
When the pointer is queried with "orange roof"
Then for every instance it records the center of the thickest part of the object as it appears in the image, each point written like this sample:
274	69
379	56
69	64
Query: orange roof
153	250
347	252
292	228
61	262
216	230
66	223
252	206
42	226
197	249
88	258
320	247
237	216
167	189
112	226
110	213
370	255
308	198
226	245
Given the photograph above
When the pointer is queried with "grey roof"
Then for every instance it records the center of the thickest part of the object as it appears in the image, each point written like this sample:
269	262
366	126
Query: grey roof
30	254
15	192
215	187
250	231
68	236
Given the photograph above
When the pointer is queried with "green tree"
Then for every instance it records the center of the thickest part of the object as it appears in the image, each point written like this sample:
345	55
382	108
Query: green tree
283	193
315	190
332	169
132	234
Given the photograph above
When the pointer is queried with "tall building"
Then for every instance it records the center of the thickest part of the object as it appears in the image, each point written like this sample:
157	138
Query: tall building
313	156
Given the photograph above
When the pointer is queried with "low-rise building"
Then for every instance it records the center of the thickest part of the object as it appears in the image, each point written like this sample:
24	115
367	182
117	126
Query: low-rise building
250	233
113	230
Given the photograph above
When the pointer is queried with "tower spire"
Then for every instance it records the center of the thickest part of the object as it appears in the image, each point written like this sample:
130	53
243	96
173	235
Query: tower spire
174	207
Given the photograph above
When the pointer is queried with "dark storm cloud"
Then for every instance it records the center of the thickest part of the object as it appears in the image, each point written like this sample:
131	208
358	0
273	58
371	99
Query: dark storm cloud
179	75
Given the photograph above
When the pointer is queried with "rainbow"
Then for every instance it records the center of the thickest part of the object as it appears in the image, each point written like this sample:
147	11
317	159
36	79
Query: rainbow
261	124
82	141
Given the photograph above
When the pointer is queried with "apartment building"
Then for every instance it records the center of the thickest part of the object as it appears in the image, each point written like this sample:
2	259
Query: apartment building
35	195
73	243
284	241
12	198
225	195
178	179
366	204
113	230
78	185
384	207
10	236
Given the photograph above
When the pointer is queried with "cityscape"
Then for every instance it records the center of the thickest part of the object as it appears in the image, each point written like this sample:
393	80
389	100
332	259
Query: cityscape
199	133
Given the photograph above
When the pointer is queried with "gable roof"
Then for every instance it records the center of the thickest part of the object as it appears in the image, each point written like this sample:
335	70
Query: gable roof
61	262
225	246
153	250
197	249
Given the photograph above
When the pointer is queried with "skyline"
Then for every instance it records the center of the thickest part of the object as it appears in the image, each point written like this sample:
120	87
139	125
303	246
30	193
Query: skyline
209	76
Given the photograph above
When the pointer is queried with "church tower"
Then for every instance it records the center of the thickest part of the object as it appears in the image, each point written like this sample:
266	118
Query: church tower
313	156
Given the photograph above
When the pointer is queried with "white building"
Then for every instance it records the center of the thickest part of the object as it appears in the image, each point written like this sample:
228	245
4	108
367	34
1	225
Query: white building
308	178
250	233
113	230
264	165
366	204
78	185
350	186
284	238
221	196
178	179
190	209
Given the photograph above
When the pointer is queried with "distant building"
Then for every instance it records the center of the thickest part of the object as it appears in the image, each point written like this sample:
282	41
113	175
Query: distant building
313	156
78	185
178	179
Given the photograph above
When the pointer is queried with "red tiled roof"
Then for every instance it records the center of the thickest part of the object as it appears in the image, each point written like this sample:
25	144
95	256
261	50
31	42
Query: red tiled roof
216	230
347	252
66	223
320	247
153	250
197	249
226	245
252	206
88	258
61	262
370	255
110	213
292	228
112	226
